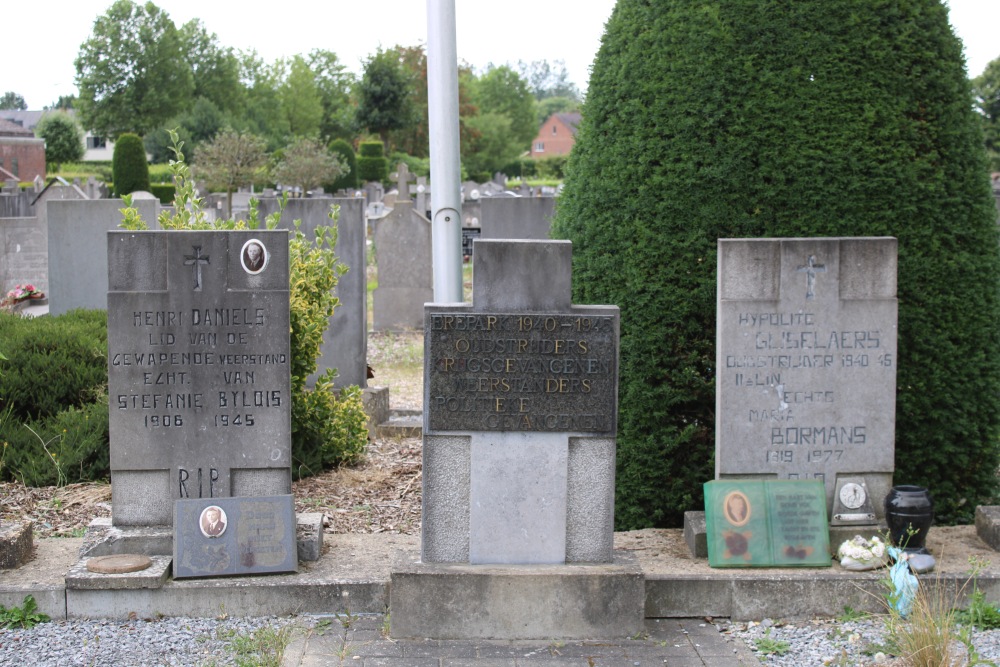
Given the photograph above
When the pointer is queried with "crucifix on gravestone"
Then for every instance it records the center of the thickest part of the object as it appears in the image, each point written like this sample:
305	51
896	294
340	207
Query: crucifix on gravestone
198	379
811	268
521	392
197	260
403	177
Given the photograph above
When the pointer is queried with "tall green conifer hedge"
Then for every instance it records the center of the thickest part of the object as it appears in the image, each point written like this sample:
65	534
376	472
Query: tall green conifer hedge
765	118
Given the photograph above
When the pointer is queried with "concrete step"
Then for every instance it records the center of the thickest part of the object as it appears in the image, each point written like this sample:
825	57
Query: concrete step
402	424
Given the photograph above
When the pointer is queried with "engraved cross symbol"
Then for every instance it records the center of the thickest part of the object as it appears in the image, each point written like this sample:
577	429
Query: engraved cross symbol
811	268
197	260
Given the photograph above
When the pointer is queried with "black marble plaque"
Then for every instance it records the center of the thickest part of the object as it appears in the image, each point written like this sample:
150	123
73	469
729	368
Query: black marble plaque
234	536
521	372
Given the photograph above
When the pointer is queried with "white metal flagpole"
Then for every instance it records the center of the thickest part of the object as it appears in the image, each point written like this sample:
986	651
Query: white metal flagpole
446	175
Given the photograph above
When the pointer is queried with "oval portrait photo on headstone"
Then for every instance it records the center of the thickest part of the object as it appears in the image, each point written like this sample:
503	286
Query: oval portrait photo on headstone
736	507
213	521
254	257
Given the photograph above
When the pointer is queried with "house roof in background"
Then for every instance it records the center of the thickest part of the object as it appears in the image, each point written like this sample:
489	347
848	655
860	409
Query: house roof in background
11	129
570	120
26	119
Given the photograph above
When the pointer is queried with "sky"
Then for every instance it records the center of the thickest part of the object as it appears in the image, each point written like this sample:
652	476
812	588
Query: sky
487	32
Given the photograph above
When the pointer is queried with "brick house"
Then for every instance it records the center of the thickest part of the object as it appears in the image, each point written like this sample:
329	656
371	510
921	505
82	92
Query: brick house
557	135
95	148
22	156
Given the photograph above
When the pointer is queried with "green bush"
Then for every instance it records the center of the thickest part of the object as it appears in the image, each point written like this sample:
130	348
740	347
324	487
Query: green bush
349	180
164	192
372	165
764	118
129	169
67	447
53	362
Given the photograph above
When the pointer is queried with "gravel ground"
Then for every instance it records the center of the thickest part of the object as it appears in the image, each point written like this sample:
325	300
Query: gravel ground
107	643
831	642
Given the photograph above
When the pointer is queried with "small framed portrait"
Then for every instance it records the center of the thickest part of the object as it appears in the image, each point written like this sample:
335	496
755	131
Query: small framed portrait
213	521
254	256
737	508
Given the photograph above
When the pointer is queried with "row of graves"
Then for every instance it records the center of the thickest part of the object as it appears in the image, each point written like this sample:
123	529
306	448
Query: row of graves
519	440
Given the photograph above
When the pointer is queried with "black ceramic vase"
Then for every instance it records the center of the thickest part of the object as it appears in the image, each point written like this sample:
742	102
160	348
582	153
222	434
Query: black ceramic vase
909	513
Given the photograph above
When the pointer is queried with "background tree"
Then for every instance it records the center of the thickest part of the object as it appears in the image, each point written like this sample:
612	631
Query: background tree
64	103
334	83
215	70
742	119
63	139
129	169
986	89
501	90
384	102
231	160
308	164
547	79
11	100
131	71
265	117
300	99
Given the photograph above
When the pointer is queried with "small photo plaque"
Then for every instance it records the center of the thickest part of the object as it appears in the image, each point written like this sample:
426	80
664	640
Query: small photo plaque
216	537
766	523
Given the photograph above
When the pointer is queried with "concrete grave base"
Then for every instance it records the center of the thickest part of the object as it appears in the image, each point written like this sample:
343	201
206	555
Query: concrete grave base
80	578
696	534
104	539
15	544
463	601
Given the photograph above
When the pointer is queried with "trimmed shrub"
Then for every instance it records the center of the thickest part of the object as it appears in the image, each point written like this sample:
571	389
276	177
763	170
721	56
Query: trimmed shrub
372	165
53	362
349	180
129	169
769	118
164	192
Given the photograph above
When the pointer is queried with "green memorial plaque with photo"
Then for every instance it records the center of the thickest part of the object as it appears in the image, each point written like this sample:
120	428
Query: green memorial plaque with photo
773	523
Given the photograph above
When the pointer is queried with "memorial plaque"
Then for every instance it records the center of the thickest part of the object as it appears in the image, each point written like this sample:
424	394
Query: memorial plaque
233	536
757	523
806	360
522	372
198	368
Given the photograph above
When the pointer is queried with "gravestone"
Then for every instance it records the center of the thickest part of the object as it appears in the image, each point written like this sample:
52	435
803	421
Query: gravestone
520	415
520	396
517	217
78	249
198	369
405	270
423	204
403	177
806	366
345	342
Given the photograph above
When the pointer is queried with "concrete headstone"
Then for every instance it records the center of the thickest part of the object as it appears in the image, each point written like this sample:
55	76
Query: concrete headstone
806	362
520	419
405	273
198	369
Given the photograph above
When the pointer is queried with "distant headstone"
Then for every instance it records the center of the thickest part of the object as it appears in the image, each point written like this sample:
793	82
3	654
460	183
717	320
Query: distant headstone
403	177
232	536
198	369
517	217
762	523
405	275
806	363
78	249
423	197
520	419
